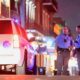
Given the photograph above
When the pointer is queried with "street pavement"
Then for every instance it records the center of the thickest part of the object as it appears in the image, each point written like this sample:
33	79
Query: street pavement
37	77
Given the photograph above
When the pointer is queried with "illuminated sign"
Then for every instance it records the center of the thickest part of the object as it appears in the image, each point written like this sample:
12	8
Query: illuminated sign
57	29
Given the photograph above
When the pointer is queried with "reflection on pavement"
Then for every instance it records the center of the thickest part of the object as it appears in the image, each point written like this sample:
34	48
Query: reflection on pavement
37	77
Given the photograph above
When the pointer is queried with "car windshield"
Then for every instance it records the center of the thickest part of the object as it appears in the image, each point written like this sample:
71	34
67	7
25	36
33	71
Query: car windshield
5	27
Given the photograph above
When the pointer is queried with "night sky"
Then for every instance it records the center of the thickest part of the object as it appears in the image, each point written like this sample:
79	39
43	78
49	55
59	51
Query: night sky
69	10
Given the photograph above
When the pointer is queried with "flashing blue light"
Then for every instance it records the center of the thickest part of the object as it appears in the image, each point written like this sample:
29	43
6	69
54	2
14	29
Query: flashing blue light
50	41
16	20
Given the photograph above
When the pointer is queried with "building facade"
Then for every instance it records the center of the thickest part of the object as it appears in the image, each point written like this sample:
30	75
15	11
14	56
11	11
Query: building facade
49	9
45	9
4	8
31	14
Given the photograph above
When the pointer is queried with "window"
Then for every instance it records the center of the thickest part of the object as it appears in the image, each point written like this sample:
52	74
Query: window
5	27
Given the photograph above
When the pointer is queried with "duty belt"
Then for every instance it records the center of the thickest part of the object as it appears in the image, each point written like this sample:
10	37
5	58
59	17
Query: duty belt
62	49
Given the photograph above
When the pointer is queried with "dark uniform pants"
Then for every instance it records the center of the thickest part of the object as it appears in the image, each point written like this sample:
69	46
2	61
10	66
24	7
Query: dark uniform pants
62	62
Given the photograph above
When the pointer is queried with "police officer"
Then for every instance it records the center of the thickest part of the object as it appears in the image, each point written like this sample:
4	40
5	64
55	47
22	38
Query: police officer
63	44
77	46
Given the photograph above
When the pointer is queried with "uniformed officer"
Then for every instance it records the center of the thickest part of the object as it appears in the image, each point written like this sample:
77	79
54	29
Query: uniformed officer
77	46
63	43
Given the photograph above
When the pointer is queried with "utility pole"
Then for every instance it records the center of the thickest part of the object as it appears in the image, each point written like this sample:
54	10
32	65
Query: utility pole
23	13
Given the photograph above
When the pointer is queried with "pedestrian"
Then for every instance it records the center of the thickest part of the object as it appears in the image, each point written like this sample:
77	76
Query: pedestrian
64	43
77	46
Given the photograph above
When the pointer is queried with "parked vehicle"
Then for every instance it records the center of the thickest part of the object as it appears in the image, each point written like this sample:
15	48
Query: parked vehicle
16	54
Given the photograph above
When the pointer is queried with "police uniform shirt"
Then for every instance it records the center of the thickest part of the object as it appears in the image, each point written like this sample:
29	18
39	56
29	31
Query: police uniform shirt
63	41
77	42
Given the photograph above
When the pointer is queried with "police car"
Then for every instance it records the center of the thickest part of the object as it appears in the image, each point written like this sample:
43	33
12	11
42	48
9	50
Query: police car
16	54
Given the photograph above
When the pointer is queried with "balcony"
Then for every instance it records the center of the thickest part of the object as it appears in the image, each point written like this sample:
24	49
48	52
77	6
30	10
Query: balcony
51	5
